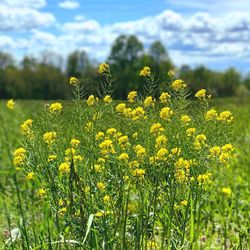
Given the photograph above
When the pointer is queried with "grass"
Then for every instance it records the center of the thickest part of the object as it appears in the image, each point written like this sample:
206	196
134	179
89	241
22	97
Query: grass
211	221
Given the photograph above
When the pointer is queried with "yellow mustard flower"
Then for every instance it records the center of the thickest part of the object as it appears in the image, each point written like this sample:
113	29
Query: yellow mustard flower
178	84
123	157
227	191
140	151
215	151
42	192
160	141
55	107
62	211
120	107
103	68
164	97
10	104
64	168
100	135
226	116
156	128
149	101
73	81
139	172
131	96
190	131
166	113
74	143
106	198
49	137
145	72
51	158
211	115
100	185
30	176
107	99
26	127
185	119
201	94
91	100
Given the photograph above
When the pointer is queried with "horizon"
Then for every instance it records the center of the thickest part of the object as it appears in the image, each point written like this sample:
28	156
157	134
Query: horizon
193	32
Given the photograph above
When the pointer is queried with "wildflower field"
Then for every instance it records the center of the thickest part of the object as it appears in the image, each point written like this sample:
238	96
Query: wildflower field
156	171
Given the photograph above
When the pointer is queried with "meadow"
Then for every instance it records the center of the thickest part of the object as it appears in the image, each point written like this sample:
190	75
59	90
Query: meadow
171	173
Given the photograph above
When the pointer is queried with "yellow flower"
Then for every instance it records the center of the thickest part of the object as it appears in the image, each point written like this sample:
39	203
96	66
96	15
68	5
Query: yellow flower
135	135
140	151
164	97
99	214
91	100
139	172
49	137
156	129
64	168
123	157
227	191
107	147
181	175
166	113
10	104
226	116
204	178
73	81
149	101
160	141
185	119
120	107
103	68
171	73
215	151
190	131
51	158
175	151
107	99
30	176
145	72
199	141
42	192
131	96
182	164
184	203
19	152
100	135
62	211
98	168
74	143
19	156
100	185
111	131
55	107
211	115
178	84
26	127
161	154
134	164
152	245
201	94
227	148
106	199
123	140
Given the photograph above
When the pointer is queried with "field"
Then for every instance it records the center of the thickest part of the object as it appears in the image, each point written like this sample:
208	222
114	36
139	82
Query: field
133	207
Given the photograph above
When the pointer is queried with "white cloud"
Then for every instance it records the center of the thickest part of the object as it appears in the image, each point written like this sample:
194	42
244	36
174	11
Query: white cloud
69	5
23	17
25	3
198	38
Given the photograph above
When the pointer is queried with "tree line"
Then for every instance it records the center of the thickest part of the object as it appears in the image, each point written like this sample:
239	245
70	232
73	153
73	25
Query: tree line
47	77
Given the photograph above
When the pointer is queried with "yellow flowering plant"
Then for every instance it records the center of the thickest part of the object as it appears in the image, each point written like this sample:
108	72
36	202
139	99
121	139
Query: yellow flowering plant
119	174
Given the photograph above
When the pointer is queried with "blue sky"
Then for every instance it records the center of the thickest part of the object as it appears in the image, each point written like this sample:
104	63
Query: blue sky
195	32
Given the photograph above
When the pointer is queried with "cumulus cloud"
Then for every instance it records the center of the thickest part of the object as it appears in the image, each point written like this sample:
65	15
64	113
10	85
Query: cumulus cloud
22	16
25	3
69	5
199	37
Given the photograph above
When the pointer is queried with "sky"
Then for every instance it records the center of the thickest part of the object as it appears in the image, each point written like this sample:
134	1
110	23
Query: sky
215	33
